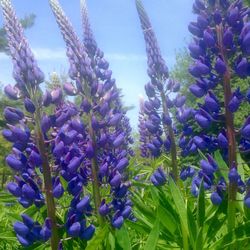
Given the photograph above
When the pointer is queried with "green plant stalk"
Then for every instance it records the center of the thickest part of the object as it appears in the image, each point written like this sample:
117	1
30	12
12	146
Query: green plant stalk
51	208
170	130
232	158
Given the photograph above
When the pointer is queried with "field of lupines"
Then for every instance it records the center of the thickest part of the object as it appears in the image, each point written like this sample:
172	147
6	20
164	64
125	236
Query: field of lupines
82	180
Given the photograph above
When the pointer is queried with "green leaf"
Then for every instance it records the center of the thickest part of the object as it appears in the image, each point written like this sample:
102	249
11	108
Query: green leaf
222	165
201	206
199	240
152	240
111	241
123	239
167	220
179	204
98	238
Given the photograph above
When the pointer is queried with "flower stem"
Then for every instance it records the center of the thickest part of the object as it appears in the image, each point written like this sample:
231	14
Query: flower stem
51	209
169	131
232	158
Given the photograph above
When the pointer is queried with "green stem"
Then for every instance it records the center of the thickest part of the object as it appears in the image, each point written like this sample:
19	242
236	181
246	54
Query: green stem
51	209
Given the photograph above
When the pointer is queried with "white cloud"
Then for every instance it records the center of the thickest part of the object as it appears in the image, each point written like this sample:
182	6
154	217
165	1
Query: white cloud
49	54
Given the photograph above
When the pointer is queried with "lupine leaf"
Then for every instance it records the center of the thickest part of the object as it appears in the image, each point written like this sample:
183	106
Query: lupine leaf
191	225
111	241
167	220
151	242
201	206
199	240
222	166
179	204
123	239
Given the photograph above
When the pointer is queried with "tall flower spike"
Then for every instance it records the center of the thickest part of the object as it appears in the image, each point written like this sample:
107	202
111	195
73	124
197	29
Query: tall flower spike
221	53
161	98
101	151
29	149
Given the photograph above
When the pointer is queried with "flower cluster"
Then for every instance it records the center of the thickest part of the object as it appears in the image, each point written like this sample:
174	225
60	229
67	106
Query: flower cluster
221	53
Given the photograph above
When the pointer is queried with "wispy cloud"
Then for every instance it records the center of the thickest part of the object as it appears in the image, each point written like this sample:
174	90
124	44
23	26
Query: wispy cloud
59	54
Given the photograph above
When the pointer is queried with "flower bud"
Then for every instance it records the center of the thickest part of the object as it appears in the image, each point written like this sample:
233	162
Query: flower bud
74	229
14	189
35	159
59	149
28	192
83	204
27	220
222	141
202	121
220	66
29	106
11	92
58	191
197	91
119	140
116	180
122	164
47	99
234	104
14	163
69	89
209	38
117	222
13	115
104	209
242	68
216	198
21	229
233	175
245	131
88	233
228	38
23	241
56	95
74	164
115	119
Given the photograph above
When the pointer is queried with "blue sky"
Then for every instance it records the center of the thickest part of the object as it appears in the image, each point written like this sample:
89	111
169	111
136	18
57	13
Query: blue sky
117	30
